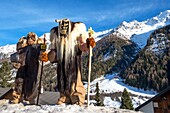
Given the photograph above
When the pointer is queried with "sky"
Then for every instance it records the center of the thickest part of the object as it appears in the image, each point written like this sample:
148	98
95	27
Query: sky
18	17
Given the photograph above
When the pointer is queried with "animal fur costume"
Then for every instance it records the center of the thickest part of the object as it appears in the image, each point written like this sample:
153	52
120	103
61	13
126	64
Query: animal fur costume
26	82
65	43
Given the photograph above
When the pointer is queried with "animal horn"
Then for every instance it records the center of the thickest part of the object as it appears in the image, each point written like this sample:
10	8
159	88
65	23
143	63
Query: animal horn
57	21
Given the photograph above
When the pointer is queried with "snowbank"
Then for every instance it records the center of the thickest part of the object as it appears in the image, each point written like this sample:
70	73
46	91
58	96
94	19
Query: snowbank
5	107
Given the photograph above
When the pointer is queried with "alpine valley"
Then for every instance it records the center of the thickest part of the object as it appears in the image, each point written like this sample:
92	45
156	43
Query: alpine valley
134	55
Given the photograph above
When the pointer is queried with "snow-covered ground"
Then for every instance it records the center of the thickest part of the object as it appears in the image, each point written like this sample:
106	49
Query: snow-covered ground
107	84
5	107
110	84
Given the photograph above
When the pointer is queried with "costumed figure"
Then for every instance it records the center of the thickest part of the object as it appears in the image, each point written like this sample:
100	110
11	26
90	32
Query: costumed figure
26	61
68	41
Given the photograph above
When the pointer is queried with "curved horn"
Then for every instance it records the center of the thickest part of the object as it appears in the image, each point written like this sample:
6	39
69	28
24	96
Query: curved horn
57	21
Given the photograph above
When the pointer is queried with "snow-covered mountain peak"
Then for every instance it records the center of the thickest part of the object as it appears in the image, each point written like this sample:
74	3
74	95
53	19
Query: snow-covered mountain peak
141	30
99	35
162	18
165	14
136	27
47	36
130	28
131	25
134	30
7	49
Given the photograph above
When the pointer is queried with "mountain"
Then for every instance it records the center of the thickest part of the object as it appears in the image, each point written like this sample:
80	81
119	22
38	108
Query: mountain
150	68
119	46
134	55
5	51
117	50
139	31
111	54
136	31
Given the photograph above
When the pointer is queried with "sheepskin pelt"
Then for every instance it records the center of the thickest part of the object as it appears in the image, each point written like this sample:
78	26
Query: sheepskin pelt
68	55
29	66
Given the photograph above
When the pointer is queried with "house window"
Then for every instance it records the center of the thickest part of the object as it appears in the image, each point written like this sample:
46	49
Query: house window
155	104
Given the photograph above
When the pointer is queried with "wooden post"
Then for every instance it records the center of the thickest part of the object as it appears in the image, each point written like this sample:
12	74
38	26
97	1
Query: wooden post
39	87
89	74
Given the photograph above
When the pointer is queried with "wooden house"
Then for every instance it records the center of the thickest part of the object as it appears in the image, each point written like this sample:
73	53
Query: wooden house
157	104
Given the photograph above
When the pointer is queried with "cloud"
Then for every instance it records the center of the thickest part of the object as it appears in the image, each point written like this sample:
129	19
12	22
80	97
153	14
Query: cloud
121	12
39	15
25	24
22	16
32	14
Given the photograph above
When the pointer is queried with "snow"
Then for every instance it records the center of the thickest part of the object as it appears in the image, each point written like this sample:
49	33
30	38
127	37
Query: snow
106	56
108	84
8	48
139	32
47	39
5	107
136	101
159	42
101	34
141	39
136	31
109	102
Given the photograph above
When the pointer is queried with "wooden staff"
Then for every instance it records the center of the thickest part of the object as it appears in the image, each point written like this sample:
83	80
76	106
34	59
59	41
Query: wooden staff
43	47
89	74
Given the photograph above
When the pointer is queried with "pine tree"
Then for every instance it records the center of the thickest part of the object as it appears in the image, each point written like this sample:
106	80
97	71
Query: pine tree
5	74
126	102
97	96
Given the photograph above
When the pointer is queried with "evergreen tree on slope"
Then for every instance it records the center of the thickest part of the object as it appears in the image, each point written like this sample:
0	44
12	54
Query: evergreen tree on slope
97	96
126	102
5	75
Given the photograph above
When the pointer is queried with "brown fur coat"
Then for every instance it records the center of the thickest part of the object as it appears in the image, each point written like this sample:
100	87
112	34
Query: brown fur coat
67	55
